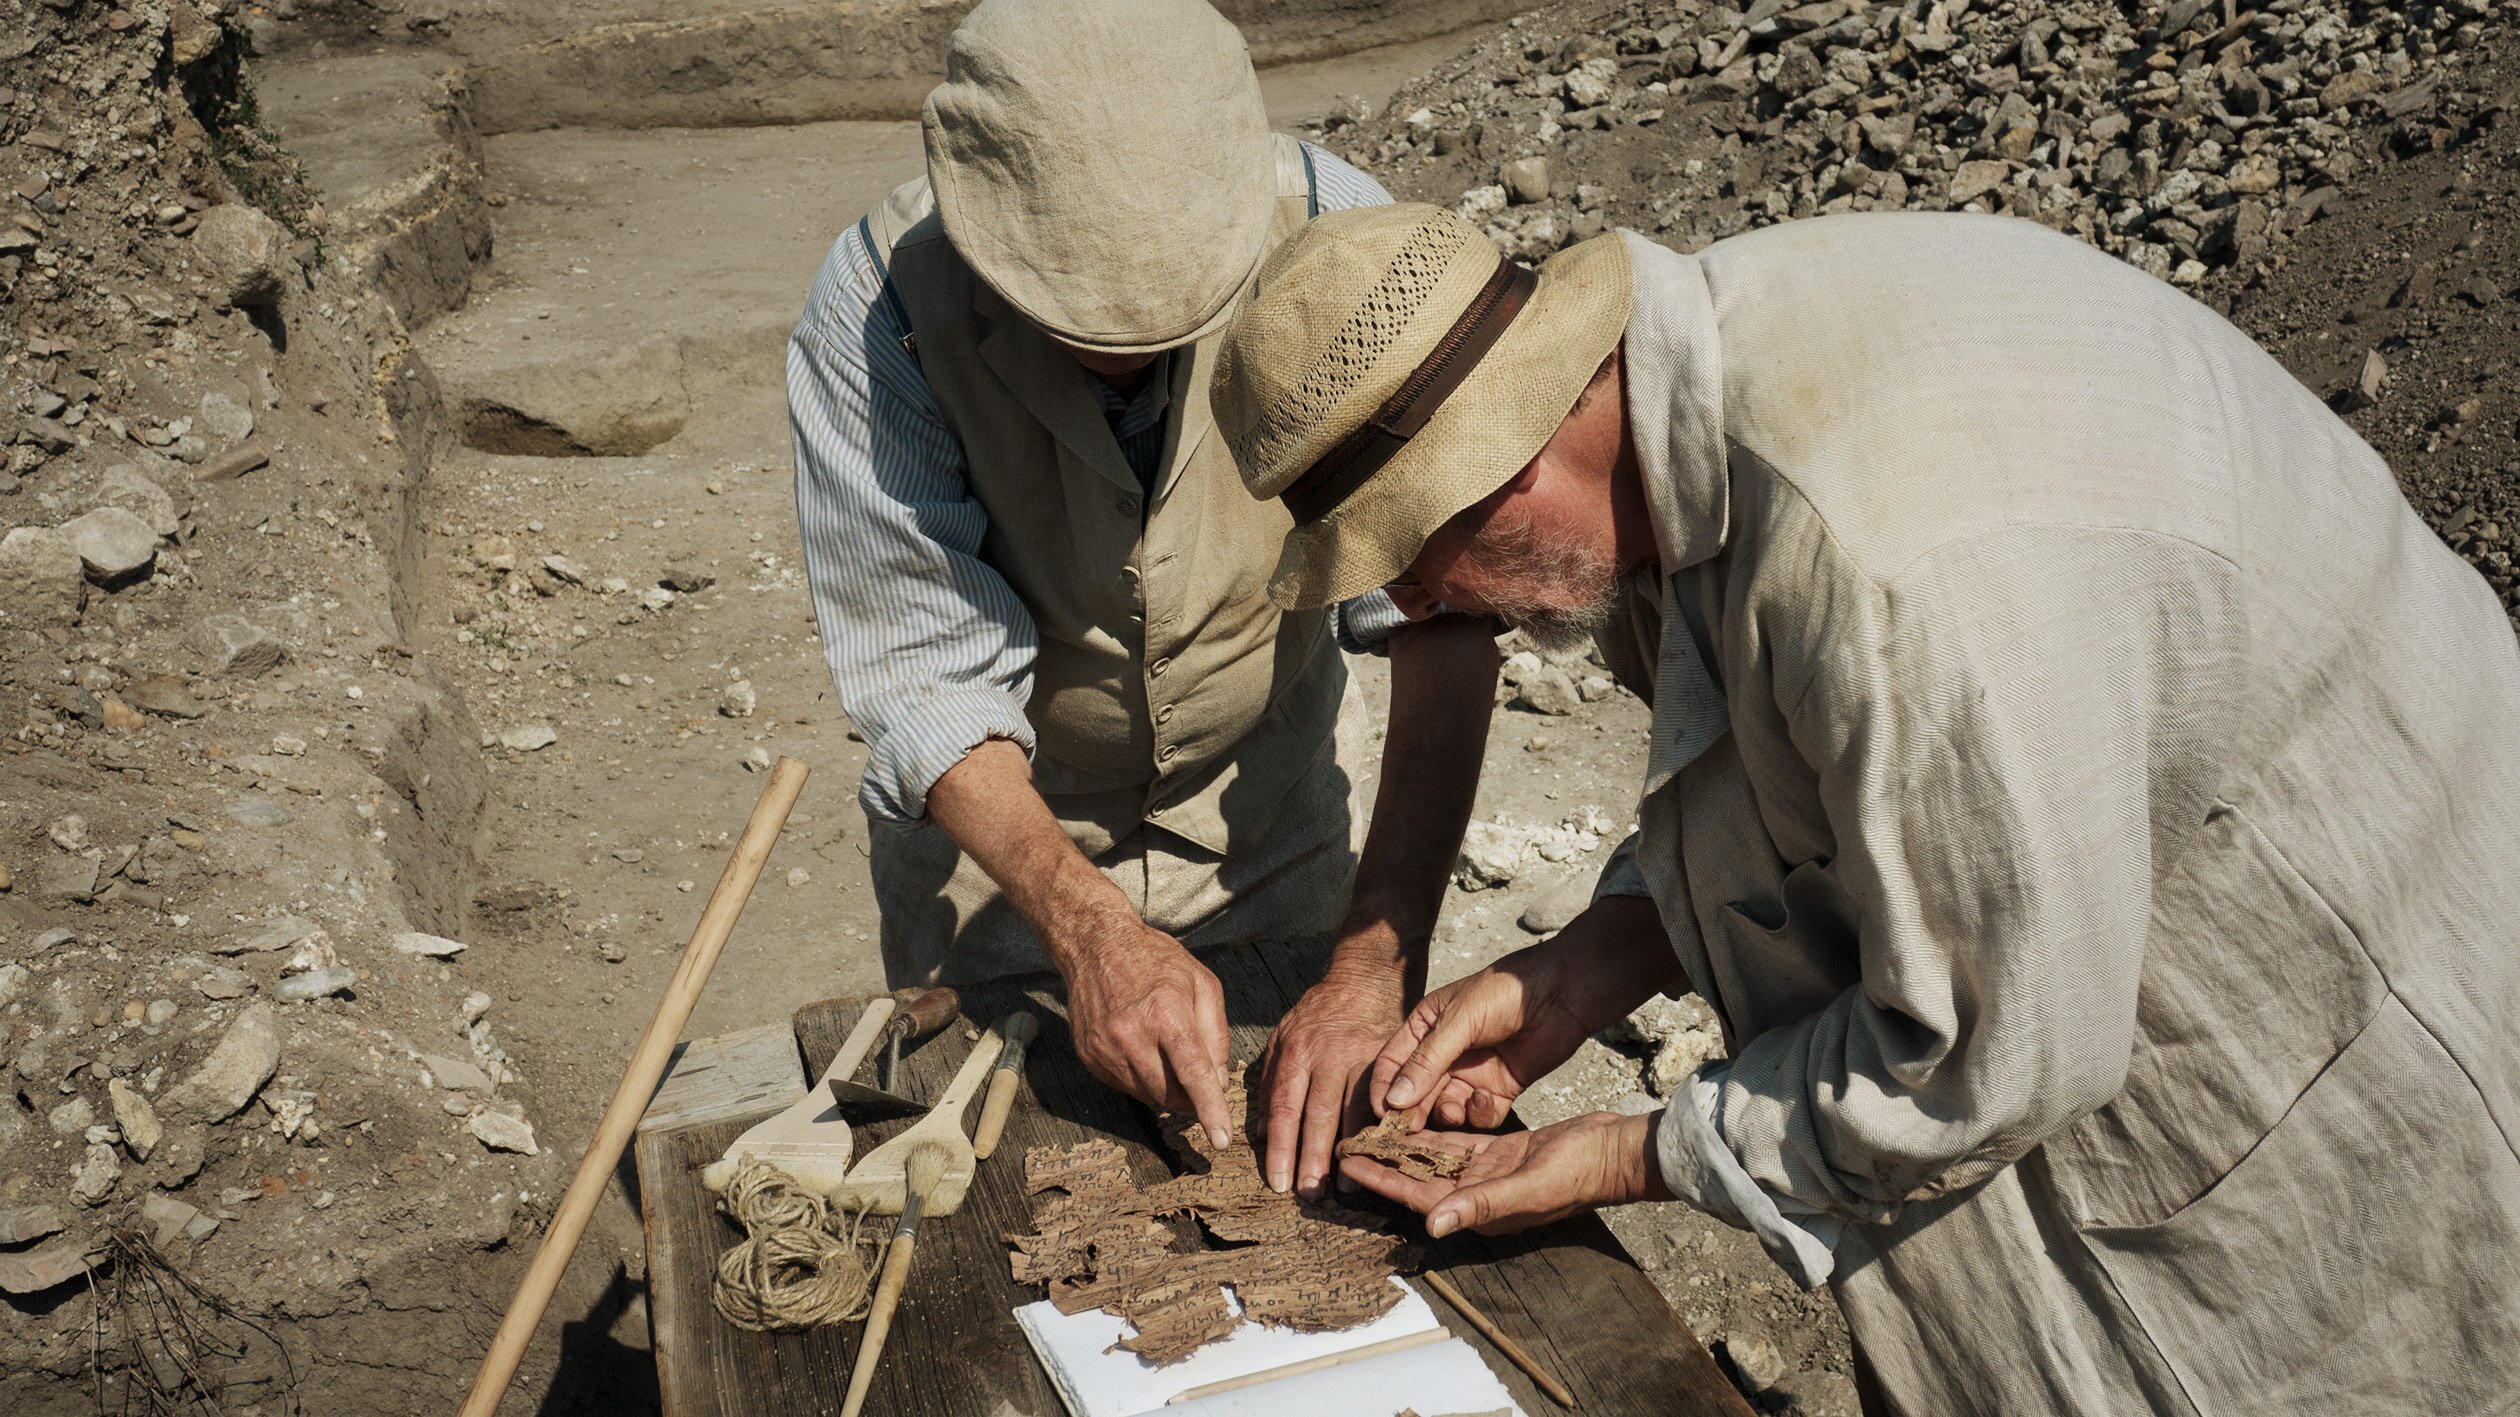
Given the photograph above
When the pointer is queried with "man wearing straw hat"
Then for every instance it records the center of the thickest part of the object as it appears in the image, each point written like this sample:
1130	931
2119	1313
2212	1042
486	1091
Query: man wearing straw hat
1092	742
2087	793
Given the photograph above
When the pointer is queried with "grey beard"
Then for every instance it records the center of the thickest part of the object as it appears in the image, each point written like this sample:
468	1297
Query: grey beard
1555	629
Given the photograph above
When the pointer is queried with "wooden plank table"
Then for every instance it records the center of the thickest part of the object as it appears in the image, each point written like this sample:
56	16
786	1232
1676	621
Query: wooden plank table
1569	1293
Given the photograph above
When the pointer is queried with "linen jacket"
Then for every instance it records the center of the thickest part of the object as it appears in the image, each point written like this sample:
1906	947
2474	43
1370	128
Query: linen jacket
2106	860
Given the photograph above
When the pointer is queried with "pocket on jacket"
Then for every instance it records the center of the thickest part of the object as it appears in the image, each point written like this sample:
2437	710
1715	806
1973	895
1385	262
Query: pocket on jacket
2358	1260
2251	986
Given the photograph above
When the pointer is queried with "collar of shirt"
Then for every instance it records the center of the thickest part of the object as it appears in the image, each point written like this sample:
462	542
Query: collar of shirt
1675	404
1137	420
1674	386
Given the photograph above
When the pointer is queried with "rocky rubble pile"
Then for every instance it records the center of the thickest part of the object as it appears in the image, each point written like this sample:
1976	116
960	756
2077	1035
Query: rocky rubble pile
2186	136
229	798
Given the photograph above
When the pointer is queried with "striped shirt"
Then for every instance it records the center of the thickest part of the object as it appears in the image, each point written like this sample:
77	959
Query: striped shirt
930	647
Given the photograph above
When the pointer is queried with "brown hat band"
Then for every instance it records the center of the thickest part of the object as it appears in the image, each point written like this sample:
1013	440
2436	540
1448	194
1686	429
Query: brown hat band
1361	454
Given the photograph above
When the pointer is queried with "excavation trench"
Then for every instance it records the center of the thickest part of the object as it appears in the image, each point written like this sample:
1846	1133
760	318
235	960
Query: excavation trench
605	559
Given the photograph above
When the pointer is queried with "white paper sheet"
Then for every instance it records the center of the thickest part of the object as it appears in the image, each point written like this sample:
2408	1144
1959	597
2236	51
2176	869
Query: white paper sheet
1439	1378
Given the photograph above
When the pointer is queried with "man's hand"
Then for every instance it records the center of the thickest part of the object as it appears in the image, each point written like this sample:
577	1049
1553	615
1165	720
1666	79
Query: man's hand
1516	1180
1314	1071
1470	1048
1149	1019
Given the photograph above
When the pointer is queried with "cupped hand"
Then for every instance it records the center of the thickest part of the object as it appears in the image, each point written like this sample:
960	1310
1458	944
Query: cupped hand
1149	1019
1314	1074
1516	1180
1470	1048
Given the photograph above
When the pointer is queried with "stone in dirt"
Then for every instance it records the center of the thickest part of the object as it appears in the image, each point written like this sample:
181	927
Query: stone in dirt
737	700
528	737
501	1132
686	580
260	812
92	1181
1490	855
565	570
426	946
1558	908
238	646
245	1058
139	494
277	933
224	983
316	983
1525	180
48	585
1547	689
245	254
164	695
171	1220
69	879
114	545
21	1224
47	1266
456	1074
141	1129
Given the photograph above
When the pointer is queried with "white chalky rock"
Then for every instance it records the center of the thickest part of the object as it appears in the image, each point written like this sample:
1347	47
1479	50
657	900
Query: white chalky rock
93	1179
278	933
737	700
141	1129
46	583
114	544
317	983
501	1132
237	645
456	1074
528	737
414	942
245	254
245	1058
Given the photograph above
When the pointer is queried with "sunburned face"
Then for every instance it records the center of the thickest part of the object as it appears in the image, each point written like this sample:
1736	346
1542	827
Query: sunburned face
1543	553
1546	580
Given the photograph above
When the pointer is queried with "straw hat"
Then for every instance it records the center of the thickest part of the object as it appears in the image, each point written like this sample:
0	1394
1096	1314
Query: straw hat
1390	370
1105	165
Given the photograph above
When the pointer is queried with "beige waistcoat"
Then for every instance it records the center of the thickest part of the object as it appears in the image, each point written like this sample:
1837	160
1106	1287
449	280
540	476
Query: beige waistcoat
1168	690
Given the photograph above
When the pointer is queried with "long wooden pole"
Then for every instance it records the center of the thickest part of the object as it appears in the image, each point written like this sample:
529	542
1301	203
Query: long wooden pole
638	1084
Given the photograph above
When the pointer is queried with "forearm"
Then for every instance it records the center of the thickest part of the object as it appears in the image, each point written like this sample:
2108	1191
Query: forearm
987	803
1612	958
1443	679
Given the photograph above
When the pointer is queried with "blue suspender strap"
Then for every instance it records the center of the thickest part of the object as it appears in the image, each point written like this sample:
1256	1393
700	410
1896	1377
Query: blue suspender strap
1312	181
892	298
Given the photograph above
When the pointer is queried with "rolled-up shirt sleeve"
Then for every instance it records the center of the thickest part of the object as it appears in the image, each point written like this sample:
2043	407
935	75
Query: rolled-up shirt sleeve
930	648
1980	728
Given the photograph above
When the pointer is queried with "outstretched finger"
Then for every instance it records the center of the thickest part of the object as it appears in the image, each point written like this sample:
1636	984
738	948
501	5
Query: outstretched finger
1401	1045
1451	1036
1325	1109
1202	1080
1288	1084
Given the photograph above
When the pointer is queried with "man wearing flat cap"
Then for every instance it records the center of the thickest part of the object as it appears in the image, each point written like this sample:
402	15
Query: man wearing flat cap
1092	741
2087	793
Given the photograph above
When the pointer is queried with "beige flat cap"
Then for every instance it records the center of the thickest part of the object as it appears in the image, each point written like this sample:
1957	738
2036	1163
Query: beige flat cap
1104	165
1391	369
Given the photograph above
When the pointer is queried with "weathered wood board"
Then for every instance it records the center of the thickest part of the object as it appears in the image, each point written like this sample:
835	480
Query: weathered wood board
1568	1293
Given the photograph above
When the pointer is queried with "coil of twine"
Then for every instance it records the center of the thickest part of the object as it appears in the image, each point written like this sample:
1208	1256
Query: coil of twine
801	1263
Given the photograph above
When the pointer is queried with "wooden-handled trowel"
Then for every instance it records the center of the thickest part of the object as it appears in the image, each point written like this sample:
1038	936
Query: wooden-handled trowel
916	1014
